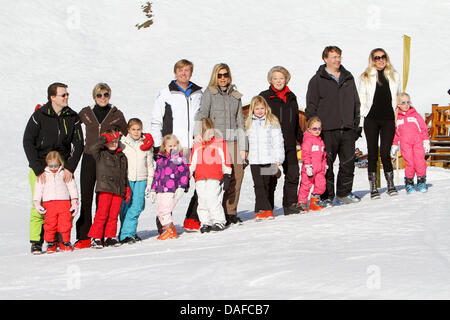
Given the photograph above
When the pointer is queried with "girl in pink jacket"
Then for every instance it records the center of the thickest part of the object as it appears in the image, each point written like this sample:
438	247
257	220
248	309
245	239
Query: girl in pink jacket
412	134
59	202
314	166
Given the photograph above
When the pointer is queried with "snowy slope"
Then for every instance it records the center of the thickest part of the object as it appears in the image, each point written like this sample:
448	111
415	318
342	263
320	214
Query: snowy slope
392	248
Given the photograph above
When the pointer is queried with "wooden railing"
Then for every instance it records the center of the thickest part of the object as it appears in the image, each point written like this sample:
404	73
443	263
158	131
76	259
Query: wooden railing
439	124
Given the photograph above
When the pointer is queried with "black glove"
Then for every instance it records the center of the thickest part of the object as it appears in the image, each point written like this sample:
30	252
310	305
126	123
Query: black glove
155	153
225	182
186	190
245	164
358	133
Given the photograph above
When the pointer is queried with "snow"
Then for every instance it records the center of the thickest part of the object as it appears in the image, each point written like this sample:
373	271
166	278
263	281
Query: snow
393	248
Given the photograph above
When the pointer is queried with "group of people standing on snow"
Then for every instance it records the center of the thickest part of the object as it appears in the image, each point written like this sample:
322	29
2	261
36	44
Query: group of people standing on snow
204	135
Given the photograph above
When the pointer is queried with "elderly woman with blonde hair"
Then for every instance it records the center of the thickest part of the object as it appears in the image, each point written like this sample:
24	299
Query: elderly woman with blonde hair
283	103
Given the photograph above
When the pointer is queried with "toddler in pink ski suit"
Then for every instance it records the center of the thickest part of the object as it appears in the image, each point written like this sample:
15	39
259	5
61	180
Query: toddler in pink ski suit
314	166
412	134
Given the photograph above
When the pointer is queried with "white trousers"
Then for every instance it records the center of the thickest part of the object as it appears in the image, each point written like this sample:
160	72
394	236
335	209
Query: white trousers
210	196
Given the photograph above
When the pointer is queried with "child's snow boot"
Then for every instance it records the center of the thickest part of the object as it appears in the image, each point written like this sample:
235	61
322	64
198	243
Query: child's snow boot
422	184
97	243
314	203
112	242
82	244
168	232
191	224
36	248
264	215
65	246
373	186
302	206
409	185
51	247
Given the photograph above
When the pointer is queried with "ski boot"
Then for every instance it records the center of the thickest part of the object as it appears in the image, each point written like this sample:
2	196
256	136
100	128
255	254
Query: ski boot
36	248
422	184
409	185
314	203
51	247
168	232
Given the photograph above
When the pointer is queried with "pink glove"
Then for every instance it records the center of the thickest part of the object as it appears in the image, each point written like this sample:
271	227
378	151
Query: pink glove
74	207
309	171
39	208
147	143
111	136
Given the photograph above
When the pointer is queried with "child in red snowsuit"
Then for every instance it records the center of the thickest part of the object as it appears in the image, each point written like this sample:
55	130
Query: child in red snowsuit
412	134
60	202
112	186
314	166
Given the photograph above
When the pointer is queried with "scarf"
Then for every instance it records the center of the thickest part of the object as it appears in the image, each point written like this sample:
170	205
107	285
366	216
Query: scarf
281	94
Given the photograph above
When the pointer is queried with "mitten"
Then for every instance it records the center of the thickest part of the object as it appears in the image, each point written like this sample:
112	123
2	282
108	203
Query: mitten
309	170
178	193
128	195
148	190
394	150
147	143
153	197
111	136
426	145
225	182
39	208
74	207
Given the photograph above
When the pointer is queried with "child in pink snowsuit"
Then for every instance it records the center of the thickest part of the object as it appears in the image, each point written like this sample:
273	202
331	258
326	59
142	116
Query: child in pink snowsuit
314	166
412	134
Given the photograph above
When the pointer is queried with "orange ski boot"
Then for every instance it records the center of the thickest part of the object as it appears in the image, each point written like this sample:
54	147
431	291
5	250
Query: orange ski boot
313	203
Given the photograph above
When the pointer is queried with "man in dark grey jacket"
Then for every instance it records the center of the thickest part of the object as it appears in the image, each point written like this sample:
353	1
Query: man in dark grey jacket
333	97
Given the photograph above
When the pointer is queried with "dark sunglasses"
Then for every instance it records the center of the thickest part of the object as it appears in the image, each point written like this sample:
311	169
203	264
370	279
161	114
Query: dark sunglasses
99	95
376	58
316	128
64	95
51	166
220	75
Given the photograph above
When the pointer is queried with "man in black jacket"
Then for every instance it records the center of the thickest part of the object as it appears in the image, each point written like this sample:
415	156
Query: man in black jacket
54	126
332	96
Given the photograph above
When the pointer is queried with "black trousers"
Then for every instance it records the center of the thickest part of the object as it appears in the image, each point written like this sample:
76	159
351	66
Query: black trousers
291	178
87	187
339	143
264	184
385	129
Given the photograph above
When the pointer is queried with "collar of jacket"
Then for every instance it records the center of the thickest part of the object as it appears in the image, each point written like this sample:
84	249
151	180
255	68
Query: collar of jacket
263	118
128	140
308	134
345	75
231	91
408	112
47	169
174	88
47	110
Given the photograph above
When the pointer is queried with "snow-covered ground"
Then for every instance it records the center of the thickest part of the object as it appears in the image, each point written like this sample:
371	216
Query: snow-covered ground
393	248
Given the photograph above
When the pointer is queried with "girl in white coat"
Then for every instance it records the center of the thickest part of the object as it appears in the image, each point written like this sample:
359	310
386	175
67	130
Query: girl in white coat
265	154
378	89
140	177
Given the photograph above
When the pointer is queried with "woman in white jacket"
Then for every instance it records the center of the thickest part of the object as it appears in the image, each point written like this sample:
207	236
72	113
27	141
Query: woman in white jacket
378	88
265	154
140	177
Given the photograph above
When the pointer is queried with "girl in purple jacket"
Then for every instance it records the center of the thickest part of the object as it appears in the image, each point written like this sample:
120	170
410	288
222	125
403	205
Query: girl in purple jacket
169	183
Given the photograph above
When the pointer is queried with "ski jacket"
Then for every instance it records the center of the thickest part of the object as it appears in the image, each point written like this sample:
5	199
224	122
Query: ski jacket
54	187
173	113
265	142
225	108
46	131
336	104
111	168
140	163
313	153
210	160
410	128
171	172
366	90
287	114
114	120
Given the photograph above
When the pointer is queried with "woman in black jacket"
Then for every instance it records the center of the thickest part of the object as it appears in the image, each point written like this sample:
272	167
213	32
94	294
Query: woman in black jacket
283	103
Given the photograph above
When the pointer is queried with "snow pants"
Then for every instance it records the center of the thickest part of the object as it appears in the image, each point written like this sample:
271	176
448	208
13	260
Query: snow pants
414	155
210	210
58	218
129	212
264	183
317	180
36	219
165	203
105	221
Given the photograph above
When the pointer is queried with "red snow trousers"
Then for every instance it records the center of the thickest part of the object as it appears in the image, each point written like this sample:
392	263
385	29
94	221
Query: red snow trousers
57	219
105	221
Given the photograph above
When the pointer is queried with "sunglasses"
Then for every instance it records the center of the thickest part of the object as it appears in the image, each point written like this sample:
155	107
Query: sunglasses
51	166
220	75
405	102
316	128
99	95
64	95
376	58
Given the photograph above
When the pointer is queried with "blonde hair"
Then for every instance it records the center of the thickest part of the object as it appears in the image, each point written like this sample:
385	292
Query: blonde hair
312	120
207	124
388	70
280	69
270	117
215	72
181	63
134	121
54	155
101	87
401	95
166	138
